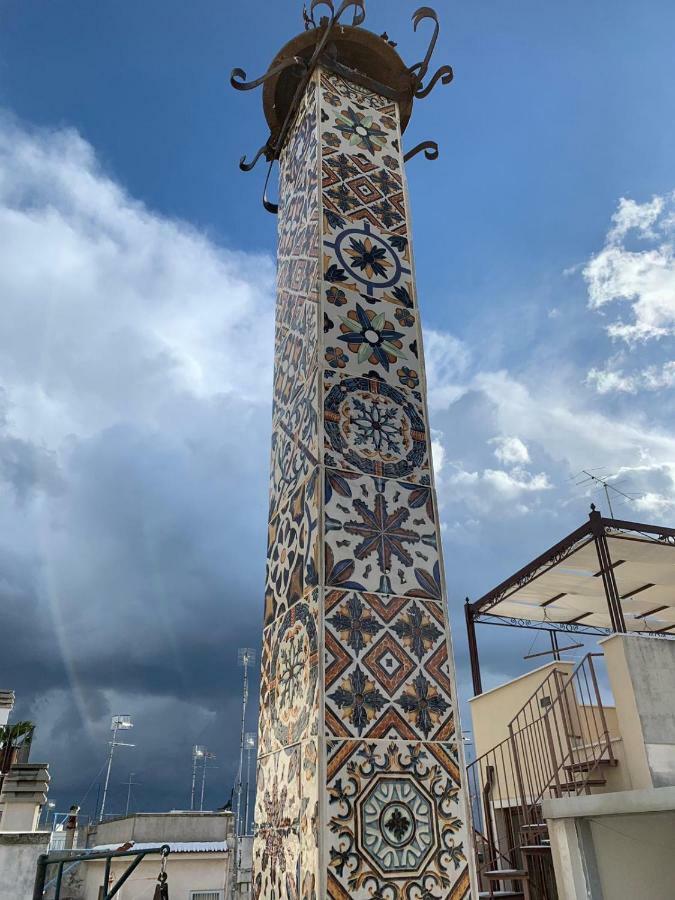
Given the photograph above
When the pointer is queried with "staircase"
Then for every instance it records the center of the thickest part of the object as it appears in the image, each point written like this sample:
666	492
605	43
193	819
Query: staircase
558	746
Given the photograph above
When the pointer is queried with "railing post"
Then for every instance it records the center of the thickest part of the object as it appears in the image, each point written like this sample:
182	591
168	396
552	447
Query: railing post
601	708
40	876
554	761
519	776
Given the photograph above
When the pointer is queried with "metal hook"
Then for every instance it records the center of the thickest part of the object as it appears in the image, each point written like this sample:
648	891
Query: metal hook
269	206
425	12
247	166
430	150
244	85
445	74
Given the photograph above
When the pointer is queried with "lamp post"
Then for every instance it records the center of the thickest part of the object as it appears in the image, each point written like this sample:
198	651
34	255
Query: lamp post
197	753
249	744
246	658
119	723
207	756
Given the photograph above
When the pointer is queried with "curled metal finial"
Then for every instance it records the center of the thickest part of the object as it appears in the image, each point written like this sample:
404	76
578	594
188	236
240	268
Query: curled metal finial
425	12
445	74
430	150
238	76
267	203
359	12
247	166
419	70
316	3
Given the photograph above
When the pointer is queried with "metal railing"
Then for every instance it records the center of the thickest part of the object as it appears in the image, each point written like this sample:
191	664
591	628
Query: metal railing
556	745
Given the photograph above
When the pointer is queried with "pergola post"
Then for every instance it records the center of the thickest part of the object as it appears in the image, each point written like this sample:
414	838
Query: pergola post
607	572
473	649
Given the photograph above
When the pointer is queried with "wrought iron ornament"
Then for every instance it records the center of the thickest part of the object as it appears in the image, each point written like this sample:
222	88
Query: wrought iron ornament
323	16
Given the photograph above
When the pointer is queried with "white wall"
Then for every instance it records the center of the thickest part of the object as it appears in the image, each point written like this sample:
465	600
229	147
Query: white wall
187	872
18	862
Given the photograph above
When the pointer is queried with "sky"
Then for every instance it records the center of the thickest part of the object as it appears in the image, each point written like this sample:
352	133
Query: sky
136	340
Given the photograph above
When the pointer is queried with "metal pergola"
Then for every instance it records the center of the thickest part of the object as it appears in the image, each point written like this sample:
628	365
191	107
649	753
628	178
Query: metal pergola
608	576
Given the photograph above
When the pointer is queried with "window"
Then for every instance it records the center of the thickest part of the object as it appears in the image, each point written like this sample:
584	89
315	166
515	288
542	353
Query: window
207	895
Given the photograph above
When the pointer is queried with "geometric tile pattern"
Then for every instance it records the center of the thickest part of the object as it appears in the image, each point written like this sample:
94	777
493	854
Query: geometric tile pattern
359	791
393	682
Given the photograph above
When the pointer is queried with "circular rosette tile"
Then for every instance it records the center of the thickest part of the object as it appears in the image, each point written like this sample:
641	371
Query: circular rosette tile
371	259
294	675
397	830
375	428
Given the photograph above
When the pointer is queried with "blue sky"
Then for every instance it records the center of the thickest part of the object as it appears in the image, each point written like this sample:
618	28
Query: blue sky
136	270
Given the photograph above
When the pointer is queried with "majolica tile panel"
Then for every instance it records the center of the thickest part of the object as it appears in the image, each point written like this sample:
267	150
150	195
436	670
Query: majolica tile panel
380	535
290	683
360	792
386	668
374	428
395	821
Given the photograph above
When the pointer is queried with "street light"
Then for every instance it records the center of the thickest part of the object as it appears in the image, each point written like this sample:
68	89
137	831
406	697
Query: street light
198	752
249	744
119	723
207	756
246	657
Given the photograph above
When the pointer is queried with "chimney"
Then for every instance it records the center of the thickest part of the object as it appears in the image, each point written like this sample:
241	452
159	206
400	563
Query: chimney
6	706
23	794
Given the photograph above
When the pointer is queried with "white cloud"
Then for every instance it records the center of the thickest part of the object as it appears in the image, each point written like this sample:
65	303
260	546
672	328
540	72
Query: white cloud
109	311
510	450
446	362
653	378
644	279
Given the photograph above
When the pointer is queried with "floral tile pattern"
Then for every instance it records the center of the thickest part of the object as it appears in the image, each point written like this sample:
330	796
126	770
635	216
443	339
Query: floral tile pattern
276	846
374	428
295	442
370	322
295	355
380	536
293	548
394	682
289	689
394	822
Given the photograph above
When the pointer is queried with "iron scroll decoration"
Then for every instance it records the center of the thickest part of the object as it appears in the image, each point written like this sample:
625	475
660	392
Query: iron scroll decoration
271	149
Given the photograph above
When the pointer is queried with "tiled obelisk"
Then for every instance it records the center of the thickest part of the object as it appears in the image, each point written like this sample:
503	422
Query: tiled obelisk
359	790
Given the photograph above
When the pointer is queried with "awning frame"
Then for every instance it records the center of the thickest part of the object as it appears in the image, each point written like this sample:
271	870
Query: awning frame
597	529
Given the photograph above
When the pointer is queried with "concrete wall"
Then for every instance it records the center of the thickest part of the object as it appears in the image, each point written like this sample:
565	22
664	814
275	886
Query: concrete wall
635	855
186	872
18	861
642	675
162	828
614	846
492	711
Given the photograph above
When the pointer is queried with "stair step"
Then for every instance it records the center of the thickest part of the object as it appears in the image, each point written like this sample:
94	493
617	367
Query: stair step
502	895
535	828
506	874
568	786
588	764
536	849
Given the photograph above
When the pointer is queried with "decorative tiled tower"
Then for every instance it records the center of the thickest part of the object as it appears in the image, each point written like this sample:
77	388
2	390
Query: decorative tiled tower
359	790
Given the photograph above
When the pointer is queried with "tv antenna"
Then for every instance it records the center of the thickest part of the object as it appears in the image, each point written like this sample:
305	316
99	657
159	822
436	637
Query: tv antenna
602	482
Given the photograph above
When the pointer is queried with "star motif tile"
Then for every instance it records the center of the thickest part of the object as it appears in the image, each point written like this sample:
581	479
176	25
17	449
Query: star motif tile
380	536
